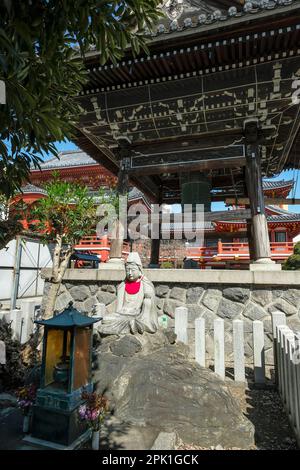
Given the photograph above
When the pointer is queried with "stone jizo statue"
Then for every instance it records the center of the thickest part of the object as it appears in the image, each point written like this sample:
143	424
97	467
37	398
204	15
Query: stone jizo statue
136	311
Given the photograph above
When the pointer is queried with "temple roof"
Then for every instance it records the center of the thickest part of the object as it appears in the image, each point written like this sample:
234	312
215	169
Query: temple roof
31	188
281	215
268	185
289	217
211	65
68	159
184	15
276	214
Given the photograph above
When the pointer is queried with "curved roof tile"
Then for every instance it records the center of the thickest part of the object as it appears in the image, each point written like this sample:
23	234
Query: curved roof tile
197	13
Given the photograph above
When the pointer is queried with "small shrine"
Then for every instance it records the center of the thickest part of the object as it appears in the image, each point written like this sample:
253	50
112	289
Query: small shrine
65	374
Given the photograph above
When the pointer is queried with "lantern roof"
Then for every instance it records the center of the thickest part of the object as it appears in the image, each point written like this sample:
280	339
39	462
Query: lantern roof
69	317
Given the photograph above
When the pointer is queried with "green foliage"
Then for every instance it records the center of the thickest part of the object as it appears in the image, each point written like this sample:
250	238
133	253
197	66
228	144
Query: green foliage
10	217
167	265
293	262
68	212
297	249
43	71
12	373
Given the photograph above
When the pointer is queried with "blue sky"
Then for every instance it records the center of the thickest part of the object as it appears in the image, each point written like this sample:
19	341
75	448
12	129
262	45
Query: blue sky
286	175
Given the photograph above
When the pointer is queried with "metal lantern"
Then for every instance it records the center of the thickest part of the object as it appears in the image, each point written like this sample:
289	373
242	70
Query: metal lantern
66	372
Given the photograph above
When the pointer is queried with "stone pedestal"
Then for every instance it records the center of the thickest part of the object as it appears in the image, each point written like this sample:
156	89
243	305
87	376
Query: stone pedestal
113	263
57	426
265	265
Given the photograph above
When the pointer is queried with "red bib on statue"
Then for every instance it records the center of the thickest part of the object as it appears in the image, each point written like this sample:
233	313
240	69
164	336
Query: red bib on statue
132	287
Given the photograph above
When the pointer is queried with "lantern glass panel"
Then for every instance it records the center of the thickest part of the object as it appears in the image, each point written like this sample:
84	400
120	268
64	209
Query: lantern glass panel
53	353
82	357
57	354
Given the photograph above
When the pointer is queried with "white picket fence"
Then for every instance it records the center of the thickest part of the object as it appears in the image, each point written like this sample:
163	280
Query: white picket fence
286	355
238	342
287	345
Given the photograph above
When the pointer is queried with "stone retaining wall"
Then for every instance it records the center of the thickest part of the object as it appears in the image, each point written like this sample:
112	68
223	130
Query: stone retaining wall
245	301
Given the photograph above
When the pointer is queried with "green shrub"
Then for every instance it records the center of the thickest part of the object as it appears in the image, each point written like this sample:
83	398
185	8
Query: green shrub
293	262
13	372
167	265
297	249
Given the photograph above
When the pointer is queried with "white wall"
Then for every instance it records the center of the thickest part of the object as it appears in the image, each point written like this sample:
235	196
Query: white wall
34	257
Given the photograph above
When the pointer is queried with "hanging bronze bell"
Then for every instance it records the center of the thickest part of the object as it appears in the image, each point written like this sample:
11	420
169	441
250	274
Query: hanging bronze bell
196	189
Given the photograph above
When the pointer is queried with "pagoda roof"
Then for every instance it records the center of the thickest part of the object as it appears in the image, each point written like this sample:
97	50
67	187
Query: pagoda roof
281	215
31	188
67	159
269	185
290	217
277	215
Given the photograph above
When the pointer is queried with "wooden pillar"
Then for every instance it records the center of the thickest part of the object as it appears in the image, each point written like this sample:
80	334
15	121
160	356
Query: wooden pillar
155	242
261	243
154	259
119	234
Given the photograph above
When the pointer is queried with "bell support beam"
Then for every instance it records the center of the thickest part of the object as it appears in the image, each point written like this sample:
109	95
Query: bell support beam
259	227
194	160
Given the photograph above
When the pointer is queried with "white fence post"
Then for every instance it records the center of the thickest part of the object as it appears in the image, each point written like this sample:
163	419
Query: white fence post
200	341
281	362
15	318
219	348
181	324
278	319
259	352
292	378
238	350
27	325
288	343
288	367
297	385
2	353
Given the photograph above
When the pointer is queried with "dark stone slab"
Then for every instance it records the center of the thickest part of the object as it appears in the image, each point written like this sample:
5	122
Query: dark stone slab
164	390
127	346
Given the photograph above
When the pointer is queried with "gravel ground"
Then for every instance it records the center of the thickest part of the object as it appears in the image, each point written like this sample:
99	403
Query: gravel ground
263	407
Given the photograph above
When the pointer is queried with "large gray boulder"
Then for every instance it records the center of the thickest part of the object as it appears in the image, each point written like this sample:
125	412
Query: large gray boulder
153	387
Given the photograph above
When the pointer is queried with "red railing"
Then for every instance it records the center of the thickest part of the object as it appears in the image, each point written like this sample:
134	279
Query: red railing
234	251
99	246
222	252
